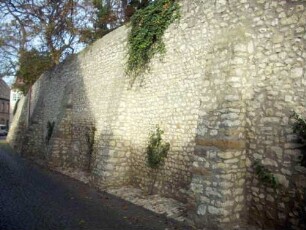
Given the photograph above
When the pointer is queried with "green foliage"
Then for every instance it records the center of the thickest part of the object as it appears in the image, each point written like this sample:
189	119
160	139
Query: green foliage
133	6
31	65
90	140
145	39
140	4
50	127
105	16
264	175
157	150
299	127
105	21
16	107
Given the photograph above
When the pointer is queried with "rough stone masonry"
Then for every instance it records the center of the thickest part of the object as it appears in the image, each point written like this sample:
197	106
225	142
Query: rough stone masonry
223	93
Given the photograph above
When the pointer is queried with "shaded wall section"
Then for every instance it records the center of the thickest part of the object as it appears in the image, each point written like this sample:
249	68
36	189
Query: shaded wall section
254	79
223	92
92	92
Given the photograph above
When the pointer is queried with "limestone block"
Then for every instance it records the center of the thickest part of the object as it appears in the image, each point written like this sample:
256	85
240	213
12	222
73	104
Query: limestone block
297	72
282	180
214	211
202	209
277	150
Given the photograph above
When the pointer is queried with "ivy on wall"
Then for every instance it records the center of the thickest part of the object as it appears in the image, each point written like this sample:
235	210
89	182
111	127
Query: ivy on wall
264	175
16	107
299	128
90	140
50	127
145	38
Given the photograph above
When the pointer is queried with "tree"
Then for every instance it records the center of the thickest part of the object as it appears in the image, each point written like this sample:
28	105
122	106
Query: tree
109	15
57	28
47	25
13	39
31	65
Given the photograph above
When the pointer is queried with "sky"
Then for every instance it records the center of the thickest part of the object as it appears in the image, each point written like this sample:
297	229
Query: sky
9	80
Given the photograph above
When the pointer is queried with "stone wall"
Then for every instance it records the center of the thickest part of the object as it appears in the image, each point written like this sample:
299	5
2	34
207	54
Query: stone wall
223	93
278	88
255	78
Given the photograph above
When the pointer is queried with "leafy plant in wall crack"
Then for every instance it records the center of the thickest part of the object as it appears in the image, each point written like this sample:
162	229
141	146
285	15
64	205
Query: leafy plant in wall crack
157	151
16	107
90	140
299	128
50	128
264	175
145	38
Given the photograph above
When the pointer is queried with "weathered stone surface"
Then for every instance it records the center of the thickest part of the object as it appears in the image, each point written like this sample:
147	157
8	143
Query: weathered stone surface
223	93
221	144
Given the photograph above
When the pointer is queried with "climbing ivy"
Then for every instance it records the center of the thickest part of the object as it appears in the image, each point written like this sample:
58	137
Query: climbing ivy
264	175
145	38
16	107
299	127
90	140
50	127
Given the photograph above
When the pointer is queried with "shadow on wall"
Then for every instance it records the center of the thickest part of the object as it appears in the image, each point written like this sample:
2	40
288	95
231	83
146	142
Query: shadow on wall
83	138
71	125
171	179
60	127
18	126
90	109
272	142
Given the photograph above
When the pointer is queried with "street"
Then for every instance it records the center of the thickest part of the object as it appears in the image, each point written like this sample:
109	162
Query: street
33	197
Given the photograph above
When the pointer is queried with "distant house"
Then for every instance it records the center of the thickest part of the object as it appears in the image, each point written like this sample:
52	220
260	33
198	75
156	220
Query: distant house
4	103
15	97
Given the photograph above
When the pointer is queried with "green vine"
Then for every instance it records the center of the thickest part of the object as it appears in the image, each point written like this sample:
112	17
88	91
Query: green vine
299	128
145	38
157	149
50	127
90	140
264	175
16	107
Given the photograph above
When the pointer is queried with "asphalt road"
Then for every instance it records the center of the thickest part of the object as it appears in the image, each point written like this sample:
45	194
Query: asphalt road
32	197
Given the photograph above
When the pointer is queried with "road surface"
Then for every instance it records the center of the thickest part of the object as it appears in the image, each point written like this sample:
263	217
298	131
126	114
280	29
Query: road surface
32	197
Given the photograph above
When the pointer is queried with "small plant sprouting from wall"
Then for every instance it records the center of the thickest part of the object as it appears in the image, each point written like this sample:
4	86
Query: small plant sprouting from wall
264	175
90	140
157	151
50	128
16	107
145	38
299	128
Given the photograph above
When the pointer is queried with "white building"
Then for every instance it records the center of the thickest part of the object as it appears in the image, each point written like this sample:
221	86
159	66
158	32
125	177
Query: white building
15	96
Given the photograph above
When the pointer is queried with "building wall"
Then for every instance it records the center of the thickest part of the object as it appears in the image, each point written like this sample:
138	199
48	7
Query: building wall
15	97
223	93
4	103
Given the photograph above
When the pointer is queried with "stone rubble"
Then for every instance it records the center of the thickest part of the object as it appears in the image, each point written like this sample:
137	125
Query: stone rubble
161	205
